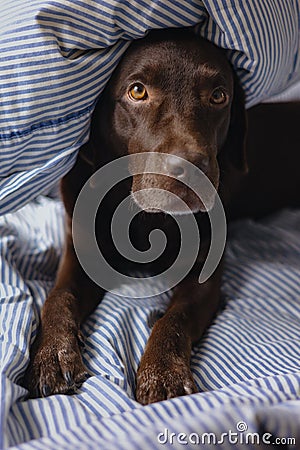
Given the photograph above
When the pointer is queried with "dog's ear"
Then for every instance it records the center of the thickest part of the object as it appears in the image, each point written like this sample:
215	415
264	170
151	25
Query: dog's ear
87	153
235	144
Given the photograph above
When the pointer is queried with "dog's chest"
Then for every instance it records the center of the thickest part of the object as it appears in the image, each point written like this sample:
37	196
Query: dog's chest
135	226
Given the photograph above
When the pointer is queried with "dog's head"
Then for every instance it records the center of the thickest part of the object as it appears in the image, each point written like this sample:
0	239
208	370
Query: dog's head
173	93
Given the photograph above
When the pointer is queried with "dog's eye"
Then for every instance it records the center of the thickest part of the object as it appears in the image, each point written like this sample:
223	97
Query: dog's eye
138	92
218	97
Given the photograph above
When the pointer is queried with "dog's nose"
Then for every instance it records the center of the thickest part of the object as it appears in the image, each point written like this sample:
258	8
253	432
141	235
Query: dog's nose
176	168
203	163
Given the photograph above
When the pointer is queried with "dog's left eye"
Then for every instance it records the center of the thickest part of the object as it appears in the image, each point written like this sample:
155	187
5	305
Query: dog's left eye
218	97
138	92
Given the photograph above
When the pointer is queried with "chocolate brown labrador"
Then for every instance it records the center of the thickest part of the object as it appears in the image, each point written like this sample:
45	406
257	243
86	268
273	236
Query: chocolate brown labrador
176	94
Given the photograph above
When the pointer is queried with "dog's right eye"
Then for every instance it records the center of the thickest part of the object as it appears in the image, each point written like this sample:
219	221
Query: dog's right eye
137	92
218	97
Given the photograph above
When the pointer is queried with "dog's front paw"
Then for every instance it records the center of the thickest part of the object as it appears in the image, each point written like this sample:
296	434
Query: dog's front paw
56	365
164	379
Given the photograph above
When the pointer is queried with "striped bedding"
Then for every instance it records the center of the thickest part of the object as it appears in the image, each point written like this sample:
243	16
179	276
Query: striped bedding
55	58
57	55
247	367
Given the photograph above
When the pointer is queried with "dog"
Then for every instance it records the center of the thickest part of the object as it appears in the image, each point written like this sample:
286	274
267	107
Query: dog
172	93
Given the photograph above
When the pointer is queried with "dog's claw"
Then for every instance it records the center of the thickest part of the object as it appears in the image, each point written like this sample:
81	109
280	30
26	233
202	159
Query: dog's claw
69	378
80	338
46	390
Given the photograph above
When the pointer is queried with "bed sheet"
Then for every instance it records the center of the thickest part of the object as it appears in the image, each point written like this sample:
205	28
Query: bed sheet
56	57
247	367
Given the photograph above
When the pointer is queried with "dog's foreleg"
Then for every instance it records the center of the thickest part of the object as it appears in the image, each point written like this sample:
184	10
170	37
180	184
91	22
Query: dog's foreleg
164	370
56	364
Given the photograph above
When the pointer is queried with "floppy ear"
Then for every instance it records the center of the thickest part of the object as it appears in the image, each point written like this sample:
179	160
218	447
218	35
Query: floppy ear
87	153
235	144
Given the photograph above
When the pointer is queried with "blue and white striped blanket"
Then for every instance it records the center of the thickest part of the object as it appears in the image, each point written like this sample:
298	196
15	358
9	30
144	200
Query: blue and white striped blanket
57	55
247	367
55	58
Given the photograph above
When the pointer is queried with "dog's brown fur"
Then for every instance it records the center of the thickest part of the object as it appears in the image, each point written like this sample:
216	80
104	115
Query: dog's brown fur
180	72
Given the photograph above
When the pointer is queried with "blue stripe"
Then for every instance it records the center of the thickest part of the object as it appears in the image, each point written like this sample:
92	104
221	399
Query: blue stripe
96	29
46	124
247	365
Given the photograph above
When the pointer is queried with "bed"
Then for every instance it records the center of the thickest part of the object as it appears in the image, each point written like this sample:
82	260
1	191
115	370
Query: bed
247	367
